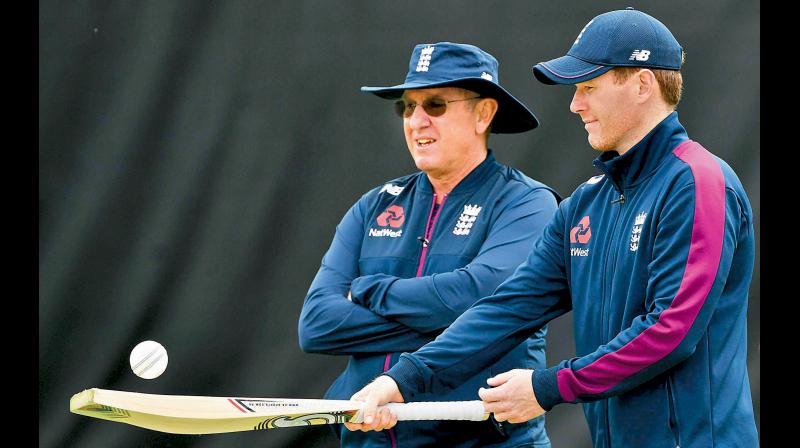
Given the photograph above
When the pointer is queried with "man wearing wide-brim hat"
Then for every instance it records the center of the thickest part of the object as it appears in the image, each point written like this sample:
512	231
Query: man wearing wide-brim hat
413	253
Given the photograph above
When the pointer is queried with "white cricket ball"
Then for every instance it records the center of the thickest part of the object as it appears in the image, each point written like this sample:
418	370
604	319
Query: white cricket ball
149	359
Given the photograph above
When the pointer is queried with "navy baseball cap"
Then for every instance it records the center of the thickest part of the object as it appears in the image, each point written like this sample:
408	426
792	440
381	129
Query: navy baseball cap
448	64
624	38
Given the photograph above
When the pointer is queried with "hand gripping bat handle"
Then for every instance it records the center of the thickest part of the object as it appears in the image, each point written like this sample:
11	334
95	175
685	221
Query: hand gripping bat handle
439	410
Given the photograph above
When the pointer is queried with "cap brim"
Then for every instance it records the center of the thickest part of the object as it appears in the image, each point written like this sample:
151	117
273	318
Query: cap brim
567	70
512	115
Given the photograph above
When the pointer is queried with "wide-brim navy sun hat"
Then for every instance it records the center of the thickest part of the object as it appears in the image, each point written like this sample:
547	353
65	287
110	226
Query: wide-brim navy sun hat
623	38
448	64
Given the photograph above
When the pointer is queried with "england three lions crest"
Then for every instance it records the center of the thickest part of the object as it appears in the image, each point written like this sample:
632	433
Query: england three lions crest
636	231
466	220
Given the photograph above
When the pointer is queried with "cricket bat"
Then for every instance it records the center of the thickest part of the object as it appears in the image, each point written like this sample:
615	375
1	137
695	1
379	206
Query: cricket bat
188	414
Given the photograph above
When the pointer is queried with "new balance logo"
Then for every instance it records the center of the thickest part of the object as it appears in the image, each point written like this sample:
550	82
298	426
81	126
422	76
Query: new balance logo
466	220
595	179
640	55
582	31
425	59
391	189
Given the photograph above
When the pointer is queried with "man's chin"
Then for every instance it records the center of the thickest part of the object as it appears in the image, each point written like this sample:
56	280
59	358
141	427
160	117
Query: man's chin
424	164
599	145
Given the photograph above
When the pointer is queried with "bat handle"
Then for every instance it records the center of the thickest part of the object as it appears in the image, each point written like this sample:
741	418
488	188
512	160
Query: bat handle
439	410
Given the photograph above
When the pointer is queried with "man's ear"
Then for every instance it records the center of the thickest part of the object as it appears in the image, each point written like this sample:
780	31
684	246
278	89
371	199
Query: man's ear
487	109
647	84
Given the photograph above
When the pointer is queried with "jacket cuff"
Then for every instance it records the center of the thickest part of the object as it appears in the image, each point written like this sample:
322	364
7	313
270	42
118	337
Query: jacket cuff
408	378
545	387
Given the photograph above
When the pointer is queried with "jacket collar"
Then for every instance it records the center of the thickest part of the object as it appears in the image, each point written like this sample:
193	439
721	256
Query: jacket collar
644	157
474	179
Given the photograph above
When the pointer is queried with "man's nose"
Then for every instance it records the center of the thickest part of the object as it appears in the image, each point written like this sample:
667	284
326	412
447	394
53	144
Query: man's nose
577	105
419	118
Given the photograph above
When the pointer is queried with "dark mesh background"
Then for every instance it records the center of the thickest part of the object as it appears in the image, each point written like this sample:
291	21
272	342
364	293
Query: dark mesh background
195	157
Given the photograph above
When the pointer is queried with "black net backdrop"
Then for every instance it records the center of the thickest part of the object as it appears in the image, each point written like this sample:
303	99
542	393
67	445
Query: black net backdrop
195	157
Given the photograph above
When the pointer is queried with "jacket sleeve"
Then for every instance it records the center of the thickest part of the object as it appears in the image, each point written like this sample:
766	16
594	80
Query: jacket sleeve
696	235
431	303
535	293
329	322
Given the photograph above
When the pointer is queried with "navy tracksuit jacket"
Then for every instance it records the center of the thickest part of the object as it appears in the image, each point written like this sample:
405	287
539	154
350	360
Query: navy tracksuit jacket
654	257
412	269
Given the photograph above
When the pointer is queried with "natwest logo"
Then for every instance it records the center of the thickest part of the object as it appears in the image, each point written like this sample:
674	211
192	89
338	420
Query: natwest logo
581	233
392	217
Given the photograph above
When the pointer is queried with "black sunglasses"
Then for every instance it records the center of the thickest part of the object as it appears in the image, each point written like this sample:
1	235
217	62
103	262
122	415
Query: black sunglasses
435	107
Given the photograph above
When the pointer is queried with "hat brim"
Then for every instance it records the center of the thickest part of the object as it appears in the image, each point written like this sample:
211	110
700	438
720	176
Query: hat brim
512	115
567	70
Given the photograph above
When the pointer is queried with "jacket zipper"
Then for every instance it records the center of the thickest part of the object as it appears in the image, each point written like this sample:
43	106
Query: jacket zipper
426	241
611	250
619	201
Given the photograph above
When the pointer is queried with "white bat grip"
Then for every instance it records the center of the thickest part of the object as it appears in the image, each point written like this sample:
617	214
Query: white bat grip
439	410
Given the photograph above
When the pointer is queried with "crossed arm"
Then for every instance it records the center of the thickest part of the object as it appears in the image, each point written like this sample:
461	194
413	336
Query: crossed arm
387	313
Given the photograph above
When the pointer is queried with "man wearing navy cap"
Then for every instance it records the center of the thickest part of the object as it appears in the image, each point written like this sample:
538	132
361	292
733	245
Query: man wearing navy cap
654	256
413	253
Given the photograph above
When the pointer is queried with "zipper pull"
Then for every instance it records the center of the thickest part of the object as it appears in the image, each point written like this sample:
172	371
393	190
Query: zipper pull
424	241
620	200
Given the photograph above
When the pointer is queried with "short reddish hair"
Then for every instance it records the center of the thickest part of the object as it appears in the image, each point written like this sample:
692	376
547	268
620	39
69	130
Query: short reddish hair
670	82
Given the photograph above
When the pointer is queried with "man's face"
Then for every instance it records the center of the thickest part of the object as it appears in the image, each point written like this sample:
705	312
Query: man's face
608	110
440	145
